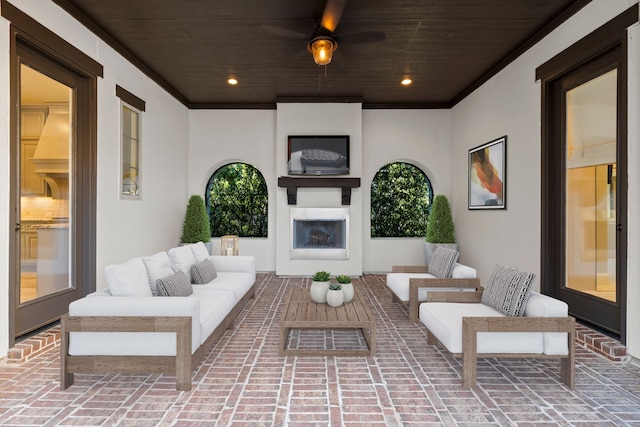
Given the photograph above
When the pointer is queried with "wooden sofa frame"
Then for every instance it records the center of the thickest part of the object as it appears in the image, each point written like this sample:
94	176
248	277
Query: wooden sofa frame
417	283
180	365
471	326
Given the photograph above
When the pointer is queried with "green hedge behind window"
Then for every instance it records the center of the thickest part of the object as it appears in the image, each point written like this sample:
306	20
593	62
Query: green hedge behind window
237	201
401	195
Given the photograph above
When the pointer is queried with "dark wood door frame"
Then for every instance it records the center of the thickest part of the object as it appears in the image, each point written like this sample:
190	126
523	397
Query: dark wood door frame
28	33
604	40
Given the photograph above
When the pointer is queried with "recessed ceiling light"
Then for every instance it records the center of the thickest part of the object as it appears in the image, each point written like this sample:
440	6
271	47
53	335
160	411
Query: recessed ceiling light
232	81
406	81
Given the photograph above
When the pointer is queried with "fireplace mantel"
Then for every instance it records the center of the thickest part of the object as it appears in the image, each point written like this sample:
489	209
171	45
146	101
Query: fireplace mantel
292	184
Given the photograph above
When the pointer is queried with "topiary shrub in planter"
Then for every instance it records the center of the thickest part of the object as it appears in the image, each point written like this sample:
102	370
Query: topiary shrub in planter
440	228
196	223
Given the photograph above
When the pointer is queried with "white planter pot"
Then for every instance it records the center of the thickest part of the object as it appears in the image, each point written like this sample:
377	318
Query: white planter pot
348	291
335	298
318	292
429	248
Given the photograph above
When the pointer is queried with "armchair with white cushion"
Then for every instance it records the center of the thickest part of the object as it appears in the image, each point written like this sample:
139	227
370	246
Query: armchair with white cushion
444	273
505	319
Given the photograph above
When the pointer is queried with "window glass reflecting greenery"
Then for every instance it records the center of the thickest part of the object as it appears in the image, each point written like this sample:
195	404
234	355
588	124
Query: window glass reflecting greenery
401	195
237	201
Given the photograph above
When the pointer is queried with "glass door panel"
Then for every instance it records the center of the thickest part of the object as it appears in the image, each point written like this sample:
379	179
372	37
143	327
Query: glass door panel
591	120
45	164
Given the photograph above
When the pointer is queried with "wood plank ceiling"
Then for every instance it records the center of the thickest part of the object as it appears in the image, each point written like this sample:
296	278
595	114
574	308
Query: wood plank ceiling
447	47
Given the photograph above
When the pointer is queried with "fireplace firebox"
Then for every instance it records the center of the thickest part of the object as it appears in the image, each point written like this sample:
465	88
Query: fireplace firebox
319	233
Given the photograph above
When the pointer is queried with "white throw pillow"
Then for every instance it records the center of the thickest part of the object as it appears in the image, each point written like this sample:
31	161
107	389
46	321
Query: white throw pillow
182	258
158	267
128	279
200	251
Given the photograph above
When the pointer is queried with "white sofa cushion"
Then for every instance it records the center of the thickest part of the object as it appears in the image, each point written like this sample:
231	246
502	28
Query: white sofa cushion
443	261
240	264
158	266
230	281
199	250
215	305
399	284
461	271
555	343
182	258
132	343
444	320
128	279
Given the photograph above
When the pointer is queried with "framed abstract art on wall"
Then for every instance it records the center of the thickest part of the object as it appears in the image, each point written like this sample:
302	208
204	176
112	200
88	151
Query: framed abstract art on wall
487	175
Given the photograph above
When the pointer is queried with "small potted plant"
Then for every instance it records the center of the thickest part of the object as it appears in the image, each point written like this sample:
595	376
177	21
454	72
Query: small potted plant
347	287
319	287
335	296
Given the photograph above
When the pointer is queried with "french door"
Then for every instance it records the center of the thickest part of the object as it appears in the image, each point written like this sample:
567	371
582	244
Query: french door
53	169
584	191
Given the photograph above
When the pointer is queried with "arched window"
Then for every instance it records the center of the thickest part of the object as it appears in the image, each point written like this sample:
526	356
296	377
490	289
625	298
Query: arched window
237	201
401	196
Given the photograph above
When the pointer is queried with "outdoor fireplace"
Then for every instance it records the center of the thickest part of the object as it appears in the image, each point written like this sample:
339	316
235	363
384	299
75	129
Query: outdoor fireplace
319	233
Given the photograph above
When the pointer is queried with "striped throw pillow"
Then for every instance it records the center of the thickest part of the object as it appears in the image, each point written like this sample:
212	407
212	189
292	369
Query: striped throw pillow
508	290
203	272
176	285
442	262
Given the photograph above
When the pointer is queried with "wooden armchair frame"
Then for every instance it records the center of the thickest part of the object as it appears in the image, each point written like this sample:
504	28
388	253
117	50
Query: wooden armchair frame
471	326
417	283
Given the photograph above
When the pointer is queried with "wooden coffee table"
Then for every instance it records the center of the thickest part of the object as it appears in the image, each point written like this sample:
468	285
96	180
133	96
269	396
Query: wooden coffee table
300	312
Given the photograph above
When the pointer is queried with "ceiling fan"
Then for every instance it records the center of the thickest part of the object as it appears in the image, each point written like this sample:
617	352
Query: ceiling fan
323	42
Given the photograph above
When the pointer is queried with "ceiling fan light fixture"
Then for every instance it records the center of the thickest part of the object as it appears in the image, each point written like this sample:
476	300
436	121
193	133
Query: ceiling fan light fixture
322	49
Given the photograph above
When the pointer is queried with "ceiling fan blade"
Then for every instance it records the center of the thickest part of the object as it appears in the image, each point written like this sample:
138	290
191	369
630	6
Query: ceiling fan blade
283	32
362	37
332	13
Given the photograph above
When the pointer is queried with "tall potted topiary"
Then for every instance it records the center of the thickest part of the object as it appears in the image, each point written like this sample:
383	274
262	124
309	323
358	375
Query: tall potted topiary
440	228
196	223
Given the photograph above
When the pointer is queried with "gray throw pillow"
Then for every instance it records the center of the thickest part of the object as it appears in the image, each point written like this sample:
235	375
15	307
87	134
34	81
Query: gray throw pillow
176	285
508	290
203	272
442	262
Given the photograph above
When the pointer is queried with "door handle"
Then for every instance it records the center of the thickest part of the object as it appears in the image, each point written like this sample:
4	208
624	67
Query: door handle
17	226
619	227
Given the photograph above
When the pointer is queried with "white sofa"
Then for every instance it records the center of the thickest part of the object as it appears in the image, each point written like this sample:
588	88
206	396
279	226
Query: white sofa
127	329
466	327
409	284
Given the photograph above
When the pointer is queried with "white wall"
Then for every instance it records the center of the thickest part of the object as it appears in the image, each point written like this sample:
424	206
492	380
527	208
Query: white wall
510	104
125	228
418	137
219	137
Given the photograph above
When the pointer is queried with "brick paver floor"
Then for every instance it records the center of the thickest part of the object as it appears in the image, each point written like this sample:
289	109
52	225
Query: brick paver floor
244	382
